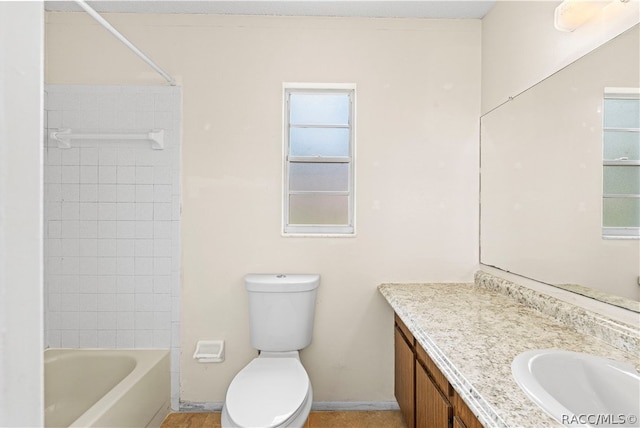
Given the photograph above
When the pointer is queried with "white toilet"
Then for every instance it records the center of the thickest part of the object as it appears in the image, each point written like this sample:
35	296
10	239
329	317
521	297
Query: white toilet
274	390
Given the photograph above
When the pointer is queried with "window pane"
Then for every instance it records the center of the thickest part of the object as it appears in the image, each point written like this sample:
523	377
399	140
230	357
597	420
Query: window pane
621	145
319	109
319	176
621	180
319	142
621	212
318	209
622	113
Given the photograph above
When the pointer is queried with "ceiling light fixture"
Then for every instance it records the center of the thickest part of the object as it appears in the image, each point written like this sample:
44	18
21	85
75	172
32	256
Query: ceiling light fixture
571	14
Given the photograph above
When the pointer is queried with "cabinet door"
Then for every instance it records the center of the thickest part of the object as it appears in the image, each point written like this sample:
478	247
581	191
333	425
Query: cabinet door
457	423
432	408
464	413
404	380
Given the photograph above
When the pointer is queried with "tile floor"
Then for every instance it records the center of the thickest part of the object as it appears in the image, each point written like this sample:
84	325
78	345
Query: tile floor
351	419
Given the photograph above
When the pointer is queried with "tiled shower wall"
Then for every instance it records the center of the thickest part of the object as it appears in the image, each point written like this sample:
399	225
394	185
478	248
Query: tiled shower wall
112	221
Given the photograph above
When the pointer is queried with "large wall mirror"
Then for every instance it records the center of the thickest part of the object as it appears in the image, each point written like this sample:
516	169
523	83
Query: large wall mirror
542	180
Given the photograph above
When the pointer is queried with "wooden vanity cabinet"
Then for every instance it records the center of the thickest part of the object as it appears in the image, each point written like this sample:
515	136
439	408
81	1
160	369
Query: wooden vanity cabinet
424	394
404	380
457	423
463	414
432	407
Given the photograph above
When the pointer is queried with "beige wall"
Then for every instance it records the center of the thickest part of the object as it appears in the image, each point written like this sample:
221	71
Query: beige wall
418	103
521	47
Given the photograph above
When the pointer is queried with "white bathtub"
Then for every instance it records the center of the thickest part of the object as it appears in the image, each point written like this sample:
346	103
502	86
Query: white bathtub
106	388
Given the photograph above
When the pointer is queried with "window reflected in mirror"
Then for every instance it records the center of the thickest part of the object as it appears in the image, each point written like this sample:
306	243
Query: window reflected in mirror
621	163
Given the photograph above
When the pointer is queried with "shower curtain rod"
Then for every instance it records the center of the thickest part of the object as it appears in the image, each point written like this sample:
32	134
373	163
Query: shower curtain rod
95	15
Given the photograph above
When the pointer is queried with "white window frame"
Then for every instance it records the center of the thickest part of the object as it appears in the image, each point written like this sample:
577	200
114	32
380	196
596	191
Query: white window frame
619	232
322	230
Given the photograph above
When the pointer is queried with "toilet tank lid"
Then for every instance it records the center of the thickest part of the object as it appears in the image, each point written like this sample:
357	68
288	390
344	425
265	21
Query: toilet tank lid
277	283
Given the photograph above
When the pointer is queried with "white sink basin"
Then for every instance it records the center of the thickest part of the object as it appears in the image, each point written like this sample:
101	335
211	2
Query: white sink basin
580	390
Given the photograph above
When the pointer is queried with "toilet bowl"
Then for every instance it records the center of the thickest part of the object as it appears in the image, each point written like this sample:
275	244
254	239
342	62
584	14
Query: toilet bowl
272	391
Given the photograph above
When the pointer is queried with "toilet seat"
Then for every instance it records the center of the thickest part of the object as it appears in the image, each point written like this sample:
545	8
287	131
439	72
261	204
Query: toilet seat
267	393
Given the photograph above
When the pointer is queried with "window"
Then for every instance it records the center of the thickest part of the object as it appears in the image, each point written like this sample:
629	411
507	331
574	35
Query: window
621	163
318	159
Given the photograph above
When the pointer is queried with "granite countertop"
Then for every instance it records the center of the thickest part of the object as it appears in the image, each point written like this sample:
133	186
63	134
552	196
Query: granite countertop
473	334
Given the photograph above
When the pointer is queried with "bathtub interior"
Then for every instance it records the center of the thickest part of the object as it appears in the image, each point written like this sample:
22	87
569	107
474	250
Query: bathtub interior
64	399
116	388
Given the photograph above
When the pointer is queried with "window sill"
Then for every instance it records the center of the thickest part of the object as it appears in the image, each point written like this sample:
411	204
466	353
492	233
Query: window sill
621	233
318	235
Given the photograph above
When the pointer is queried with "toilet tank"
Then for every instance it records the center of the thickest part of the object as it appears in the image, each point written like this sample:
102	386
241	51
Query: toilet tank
281	310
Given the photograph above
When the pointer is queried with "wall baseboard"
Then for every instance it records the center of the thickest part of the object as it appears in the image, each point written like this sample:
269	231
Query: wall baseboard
188	406
353	405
